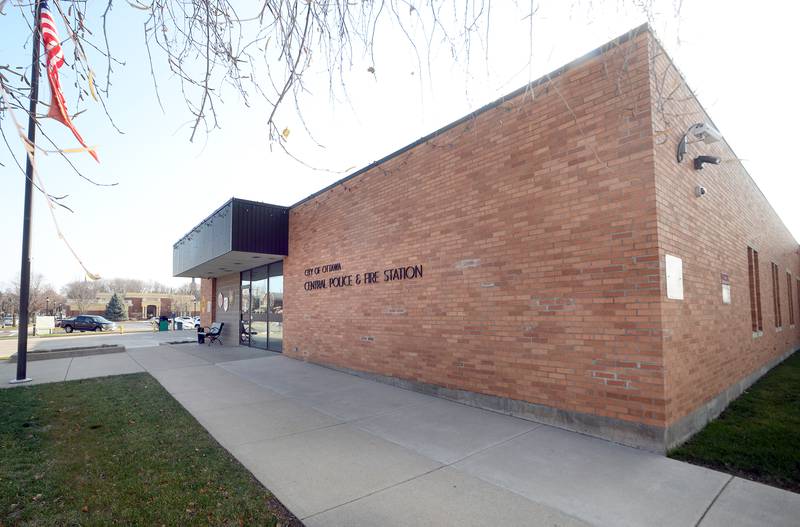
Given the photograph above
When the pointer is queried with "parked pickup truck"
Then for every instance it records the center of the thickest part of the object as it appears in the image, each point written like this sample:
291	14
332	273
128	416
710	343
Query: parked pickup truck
87	323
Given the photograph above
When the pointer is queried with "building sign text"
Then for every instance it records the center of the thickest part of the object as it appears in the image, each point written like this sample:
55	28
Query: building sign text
394	274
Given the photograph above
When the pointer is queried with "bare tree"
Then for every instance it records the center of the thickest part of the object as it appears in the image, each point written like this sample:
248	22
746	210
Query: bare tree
123	285
42	294
84	293
265	52
9	305
81	294
262	51
189	289
154	286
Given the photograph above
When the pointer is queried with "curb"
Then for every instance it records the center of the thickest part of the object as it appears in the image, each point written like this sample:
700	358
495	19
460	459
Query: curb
64	353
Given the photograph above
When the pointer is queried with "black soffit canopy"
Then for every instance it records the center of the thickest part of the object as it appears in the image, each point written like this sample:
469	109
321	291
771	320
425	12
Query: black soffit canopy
239	235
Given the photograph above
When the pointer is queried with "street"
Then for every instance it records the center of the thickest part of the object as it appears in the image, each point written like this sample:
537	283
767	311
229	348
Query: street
128	326
131	338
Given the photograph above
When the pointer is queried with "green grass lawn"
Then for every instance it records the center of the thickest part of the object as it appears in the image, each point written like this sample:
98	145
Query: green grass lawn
758	436
119	451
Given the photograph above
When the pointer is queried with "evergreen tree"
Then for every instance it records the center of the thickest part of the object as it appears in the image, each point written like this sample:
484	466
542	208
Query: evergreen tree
116	309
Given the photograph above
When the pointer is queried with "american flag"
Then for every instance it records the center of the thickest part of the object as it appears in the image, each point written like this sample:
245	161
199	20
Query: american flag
55	59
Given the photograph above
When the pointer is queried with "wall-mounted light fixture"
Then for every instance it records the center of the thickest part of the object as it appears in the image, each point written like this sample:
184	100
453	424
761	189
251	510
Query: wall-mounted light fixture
697	132
699	161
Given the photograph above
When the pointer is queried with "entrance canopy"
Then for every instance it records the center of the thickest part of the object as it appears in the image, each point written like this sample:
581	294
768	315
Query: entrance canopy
239	235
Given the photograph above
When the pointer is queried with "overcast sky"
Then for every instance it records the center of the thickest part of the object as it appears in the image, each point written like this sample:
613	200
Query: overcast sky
739	57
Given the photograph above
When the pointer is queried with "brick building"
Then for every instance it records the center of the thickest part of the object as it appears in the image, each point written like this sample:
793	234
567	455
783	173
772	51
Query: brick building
141	306
546	256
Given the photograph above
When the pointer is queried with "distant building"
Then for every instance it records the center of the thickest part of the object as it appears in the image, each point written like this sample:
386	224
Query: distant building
141	306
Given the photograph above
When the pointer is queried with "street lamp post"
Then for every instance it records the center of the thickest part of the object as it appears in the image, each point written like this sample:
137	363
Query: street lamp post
47	306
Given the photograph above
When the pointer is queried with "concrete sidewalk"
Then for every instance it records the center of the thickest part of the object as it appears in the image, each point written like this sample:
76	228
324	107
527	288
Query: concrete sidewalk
341	450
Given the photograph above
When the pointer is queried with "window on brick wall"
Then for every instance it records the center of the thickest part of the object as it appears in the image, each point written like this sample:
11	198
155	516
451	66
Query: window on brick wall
791	302
755	290
776	295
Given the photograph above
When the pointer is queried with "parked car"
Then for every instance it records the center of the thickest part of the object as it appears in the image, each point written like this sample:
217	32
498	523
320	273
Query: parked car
188	322
196	322
87	323
8	321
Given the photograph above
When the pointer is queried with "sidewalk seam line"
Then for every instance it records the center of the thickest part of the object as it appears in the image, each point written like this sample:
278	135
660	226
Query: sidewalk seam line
137	362
713	501
237	405
375	492
443	465
66	373
390	412
497	444
280	436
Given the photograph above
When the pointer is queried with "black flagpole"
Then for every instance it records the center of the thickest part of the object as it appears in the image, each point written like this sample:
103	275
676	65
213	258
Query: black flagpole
25	266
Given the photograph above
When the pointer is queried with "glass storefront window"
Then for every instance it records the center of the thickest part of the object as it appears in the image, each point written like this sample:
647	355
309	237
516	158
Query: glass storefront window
262	307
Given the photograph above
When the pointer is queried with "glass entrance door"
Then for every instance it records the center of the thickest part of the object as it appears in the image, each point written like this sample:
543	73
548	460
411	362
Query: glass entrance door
244	319
262	307
258	308
275	307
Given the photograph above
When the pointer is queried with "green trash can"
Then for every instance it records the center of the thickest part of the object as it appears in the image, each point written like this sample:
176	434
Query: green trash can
163	325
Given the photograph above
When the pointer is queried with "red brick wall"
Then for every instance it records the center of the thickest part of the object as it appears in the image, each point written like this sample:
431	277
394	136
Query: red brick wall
208	302
708	345
135	309
535	224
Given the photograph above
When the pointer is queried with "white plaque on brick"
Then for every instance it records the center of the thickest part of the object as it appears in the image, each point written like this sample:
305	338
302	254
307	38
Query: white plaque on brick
674	267
726	288
726	293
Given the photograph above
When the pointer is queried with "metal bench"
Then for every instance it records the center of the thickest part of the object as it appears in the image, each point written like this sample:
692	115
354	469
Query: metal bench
214	333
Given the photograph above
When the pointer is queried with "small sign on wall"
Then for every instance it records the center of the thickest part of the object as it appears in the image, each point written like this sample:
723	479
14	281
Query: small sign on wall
726	288
674	267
